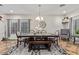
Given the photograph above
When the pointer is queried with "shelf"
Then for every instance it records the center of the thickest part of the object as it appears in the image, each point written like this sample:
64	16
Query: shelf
65	22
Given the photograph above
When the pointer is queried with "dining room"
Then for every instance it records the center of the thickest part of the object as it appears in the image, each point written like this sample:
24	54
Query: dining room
39	29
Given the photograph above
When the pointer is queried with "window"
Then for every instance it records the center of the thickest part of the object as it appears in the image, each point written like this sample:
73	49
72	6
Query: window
20	25
13	28
77	26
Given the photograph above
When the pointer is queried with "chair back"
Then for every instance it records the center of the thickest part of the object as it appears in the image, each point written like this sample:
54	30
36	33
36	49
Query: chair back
43	32
32	31
57	32
18	33
65	32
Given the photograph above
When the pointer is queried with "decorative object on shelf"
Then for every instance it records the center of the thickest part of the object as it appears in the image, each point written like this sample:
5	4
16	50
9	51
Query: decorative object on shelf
0	17
65	20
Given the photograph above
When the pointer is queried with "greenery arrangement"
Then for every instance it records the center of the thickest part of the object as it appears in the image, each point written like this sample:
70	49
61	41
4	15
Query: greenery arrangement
77	31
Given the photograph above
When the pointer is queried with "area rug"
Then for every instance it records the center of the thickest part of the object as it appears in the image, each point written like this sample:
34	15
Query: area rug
21	50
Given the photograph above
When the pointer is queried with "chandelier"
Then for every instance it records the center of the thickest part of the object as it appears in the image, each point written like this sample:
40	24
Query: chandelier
39	17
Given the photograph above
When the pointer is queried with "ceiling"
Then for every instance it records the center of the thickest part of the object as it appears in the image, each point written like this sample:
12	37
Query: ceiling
32	9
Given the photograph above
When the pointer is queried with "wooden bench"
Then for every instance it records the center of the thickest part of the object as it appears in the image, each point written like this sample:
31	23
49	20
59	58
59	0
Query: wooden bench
31	43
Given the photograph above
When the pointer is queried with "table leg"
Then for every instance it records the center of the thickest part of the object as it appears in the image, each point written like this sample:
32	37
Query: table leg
74	41
49	45
49	49
17	42
24	42
58	40
29	48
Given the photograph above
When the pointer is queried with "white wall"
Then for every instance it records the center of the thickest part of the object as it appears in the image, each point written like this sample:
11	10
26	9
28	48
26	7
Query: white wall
53	22
1	30
2	26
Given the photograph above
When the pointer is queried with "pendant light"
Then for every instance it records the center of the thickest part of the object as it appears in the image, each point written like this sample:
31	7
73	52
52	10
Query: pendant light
39	17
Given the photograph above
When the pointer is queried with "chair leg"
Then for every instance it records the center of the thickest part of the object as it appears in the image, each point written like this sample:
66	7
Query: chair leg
68	39
24	43
29	48
20	42
57	42
49	45
17	43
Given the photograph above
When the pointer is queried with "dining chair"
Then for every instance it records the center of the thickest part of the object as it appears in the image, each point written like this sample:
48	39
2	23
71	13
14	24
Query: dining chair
44	32
65	34
54	39
32	31
20	40
31	38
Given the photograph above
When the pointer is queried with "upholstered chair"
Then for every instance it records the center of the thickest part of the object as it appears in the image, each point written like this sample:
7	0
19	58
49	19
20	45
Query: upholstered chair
65	34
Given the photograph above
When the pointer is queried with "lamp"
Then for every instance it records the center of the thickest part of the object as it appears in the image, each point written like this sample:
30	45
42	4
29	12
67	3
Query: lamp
39	18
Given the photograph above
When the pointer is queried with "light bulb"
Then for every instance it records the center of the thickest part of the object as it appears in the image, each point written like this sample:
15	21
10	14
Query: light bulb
11	11
38	18
42	19
64	12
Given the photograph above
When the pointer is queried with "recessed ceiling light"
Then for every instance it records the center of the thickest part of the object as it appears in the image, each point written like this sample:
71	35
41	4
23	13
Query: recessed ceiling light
11	11
64	12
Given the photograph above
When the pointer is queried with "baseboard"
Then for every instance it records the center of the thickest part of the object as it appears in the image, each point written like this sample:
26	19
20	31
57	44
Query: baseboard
6	39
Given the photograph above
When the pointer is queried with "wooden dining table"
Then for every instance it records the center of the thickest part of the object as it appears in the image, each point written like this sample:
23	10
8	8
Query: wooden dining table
38	42
37	35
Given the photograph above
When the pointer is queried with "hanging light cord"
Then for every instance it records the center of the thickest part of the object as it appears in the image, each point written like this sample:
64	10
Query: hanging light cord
39	9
